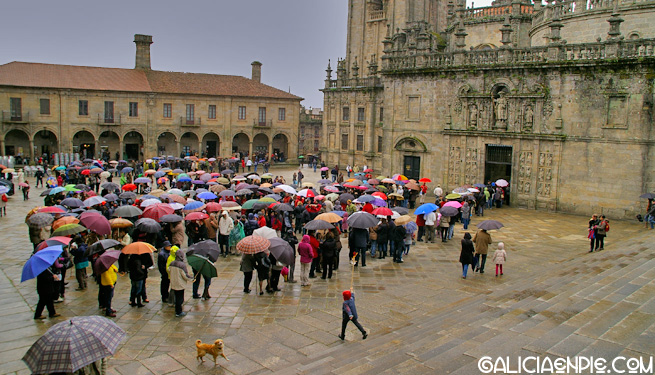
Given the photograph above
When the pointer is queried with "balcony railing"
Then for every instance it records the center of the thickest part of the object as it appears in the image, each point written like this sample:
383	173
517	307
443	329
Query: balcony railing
106	119
258	123
22	117
190	121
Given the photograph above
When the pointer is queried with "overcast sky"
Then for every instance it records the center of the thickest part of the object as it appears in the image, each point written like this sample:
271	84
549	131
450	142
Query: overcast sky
292	38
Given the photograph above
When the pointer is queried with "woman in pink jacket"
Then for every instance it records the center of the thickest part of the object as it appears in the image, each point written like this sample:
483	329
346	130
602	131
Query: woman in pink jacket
306	256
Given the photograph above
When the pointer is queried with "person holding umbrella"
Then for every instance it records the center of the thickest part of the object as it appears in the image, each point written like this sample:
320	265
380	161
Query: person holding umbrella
162	257
179	277
46	282
482	240
106	290
137	272
328	251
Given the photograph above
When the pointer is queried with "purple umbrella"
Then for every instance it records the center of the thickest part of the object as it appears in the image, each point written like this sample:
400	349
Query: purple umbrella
105	260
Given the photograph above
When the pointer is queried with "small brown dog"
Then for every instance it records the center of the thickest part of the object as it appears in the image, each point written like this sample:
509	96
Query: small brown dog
214	349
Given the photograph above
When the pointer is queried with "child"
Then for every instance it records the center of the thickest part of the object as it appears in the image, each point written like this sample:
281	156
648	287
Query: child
106	290
500	256
350	314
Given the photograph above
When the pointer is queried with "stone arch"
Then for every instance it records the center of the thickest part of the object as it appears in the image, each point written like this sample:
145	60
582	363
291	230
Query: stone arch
17	142
211	145
189	143
241	143
281	146
484	47
109	142
410	143
634	35
501	85
45	142
133	145
167	144
84	143
260	145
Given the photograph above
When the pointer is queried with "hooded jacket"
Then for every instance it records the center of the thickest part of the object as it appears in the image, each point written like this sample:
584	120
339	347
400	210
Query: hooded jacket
305	250
179	272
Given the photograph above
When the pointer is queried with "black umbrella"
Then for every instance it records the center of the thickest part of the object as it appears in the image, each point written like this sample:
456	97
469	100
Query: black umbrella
319	225
127	211
282	251
111	197
128	195
343	198
489	225
362	220
260	206
147	225
401	210
647	196
448	211
171	218
227	171
100	246
45	192
265	189
110	186
72	203
207	248
282	207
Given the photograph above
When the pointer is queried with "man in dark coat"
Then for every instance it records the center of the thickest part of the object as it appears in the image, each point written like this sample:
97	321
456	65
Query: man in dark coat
358	242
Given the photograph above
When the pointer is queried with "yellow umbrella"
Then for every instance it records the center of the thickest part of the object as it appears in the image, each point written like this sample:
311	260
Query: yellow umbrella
266	185
157	192
267	200
329	217
8	170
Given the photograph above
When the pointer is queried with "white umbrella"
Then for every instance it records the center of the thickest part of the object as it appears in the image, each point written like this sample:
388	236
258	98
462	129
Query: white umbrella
149	202
287	189
176	206
265	232
502	183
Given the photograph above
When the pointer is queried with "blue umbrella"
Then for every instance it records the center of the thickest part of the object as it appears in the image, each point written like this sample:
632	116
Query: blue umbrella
340	213
142	180
411	227
479	185
160	174
426	208
193	205
366	198
40	261
56	190
127	170
184	179
207	195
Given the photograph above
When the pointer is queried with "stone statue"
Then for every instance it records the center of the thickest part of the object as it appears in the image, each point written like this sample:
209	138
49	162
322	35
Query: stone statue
501	110
473	116
528	118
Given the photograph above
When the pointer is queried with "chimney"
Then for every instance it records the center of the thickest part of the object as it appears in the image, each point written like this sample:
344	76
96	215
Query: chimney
256	71
143	43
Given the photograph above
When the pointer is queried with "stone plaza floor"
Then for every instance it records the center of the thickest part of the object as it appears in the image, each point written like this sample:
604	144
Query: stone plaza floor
554	300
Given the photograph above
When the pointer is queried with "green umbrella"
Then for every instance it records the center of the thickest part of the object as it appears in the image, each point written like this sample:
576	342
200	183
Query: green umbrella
68	229
202	266
249	204
301	157
70	188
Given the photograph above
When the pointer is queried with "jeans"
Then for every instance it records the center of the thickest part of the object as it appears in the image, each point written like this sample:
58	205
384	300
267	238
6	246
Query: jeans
179	299
490	203
382	249
135	293
361	251
374	247
465	269
392	249
407	248
481	262
451	231
466	222
107	292
600	241
224	243
196	284
399	247
328	266
421	232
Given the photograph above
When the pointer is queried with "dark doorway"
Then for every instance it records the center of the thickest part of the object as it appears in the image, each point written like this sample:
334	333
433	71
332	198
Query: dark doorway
499	163
87	150
412	167
211	149
132	151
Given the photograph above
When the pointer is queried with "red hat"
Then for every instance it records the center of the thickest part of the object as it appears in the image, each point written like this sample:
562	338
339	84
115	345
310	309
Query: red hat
346	295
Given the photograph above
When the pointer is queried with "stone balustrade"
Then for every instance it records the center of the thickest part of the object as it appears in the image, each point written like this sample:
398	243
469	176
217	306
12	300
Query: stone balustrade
353	83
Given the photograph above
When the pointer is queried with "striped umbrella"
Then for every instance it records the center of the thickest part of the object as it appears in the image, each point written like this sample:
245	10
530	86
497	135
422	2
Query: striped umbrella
39	220
253	244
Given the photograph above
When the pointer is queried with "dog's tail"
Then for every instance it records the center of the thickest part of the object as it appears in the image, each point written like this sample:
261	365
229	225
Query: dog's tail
198	342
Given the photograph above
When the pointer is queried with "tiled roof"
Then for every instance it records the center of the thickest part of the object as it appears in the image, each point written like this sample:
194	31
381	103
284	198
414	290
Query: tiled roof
24	74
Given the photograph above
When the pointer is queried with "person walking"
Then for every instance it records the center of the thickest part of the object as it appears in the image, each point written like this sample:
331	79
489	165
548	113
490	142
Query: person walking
179	275
466	215
499	258
45	285
466	255
444	224
306	256
438	192
349	314
482	240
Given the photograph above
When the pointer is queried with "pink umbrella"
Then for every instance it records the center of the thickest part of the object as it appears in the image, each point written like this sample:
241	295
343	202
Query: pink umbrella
156	211
455	204
325	169
97	223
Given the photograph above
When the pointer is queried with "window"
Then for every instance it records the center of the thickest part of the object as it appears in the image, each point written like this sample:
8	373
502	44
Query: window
360	142
134	109
345	114
212	112
168	109
262	116
379	144
316	145
281	114
317	131
344	141
190	114
109	112
242	112
83	108
16	109
381	114
44	105
360	114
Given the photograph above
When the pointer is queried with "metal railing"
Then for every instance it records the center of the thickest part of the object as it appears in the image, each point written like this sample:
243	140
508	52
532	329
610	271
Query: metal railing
104	119
268	123
193	121
16	117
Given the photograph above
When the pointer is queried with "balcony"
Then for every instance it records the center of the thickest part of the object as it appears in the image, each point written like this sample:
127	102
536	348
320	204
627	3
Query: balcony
262	124
17	118
107	119
190	121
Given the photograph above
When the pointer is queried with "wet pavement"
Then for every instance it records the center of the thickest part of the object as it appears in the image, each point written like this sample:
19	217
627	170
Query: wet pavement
554	300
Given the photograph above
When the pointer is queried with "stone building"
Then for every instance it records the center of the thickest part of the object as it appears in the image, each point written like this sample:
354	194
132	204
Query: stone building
311	124
140	112
557	99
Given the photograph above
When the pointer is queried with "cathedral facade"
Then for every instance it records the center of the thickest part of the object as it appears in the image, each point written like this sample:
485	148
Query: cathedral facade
557	99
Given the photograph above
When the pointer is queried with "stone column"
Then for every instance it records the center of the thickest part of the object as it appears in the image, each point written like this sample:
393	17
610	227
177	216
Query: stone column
178	145
120	149
96	149
270	147
2	147
200	149
250	150
31	148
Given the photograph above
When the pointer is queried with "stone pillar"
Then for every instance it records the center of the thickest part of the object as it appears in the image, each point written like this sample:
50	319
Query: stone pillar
143	43
96	149
270	148
120	149
31	149
178	146
506	32
615	26
2	147
250	150
460	37
256	71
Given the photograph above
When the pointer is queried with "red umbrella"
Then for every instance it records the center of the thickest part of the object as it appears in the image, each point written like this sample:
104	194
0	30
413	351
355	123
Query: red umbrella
380	195
424	179
382	211
196	216
97	223
51	210
213	207
61	239
129	187
86	172
367	170
156	211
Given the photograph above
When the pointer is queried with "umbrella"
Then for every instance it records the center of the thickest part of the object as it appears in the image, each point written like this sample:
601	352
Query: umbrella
100	246
410	227
68	346
647	196
209	195
8	170
110	186
402	210
138	248
282	251
231	206
40	261
96	223
207	248
448	211
455	204
51	210
105	260
402	220
127	211
172	218
157	193
424	180
382	211
362	220
213	207
194	206
196	216
265	232
227	171
502	183
142	180
283	207
120	223
343	198
127	170
147	225
202	266
90	202
253	244
72	203
307	193
176	206
318	225
453	196
149	202
110	197
64	220
366	198
489	225
287	189
275	197
248	205
128	195
39	220
68	229
329	217
129	187
426	208
156	211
